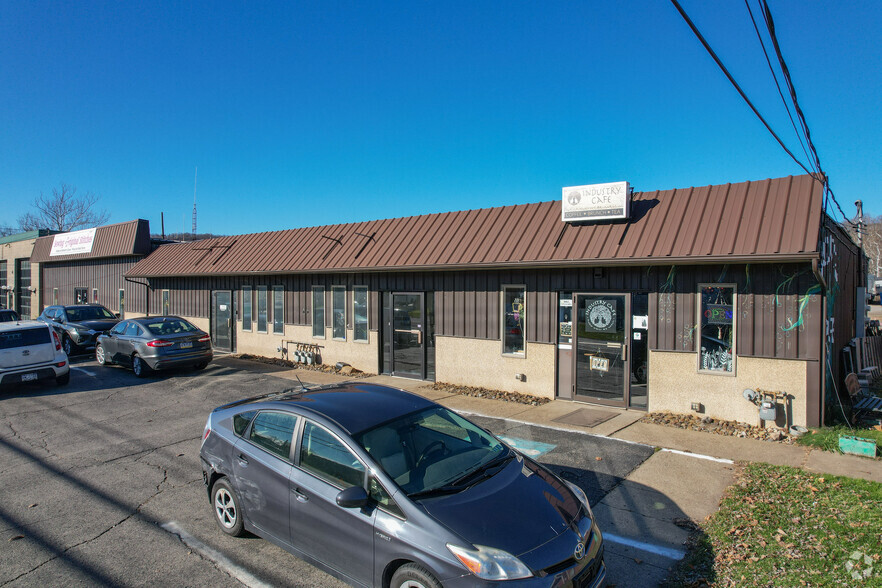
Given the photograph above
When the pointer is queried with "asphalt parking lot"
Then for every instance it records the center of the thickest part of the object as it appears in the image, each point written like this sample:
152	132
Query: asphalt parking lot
100	481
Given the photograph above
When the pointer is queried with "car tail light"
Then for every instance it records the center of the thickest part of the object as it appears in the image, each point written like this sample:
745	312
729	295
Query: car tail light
159	343
57	341
204	339
61	364
207	431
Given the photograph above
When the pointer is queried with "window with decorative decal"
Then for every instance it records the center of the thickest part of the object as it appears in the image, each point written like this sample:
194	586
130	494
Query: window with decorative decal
716	348
514	320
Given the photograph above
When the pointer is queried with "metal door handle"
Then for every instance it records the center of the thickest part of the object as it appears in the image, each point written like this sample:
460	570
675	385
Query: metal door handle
301	497
625	352
243	460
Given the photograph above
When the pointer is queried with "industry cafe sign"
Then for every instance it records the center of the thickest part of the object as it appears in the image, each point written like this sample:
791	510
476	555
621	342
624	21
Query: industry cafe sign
597	202
74	242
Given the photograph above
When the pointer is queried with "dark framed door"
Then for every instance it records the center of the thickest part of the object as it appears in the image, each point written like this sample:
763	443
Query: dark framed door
222	320
408	334
601	347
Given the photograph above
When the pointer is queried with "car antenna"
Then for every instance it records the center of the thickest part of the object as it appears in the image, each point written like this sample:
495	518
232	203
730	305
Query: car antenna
303	387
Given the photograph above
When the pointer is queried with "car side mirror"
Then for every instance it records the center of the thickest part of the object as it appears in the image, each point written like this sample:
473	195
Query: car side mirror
352	497
116	314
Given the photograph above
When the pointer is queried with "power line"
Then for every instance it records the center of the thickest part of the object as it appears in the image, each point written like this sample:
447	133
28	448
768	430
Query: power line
735	84
777	85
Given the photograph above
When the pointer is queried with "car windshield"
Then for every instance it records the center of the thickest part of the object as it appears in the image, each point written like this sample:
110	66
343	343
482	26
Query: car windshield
88	313
431	450
169	326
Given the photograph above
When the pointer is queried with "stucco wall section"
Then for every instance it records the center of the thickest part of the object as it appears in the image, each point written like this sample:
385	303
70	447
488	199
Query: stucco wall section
674	384
22	250
478	362
360	355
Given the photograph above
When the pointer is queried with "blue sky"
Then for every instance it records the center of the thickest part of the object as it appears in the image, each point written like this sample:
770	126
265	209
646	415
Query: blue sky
311	113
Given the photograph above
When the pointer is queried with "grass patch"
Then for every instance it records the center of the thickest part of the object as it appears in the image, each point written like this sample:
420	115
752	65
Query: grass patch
781	526
827	438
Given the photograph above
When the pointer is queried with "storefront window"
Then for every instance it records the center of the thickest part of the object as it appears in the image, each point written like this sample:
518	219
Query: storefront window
94	295
360	313
122	303
279	310
246	308
513	320
318	312
166	304
339	310
54	295
81	295
717	346
261	309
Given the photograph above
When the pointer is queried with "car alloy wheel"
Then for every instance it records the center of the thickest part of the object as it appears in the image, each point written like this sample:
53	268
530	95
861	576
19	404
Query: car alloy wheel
67	344
140	367
225	508
99	355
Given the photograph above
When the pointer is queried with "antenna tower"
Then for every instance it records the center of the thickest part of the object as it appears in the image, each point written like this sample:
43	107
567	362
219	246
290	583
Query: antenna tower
195	175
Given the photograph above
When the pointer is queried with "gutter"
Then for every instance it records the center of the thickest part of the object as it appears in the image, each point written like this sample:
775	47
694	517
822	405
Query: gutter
147	297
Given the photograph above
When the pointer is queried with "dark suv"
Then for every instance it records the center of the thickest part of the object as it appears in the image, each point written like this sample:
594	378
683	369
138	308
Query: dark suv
79	325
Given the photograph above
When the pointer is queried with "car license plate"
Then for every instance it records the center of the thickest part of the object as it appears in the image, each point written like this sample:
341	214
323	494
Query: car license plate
186	344
28	377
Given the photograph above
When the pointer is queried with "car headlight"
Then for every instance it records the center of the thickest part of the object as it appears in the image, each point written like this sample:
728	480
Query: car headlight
580	494
490	564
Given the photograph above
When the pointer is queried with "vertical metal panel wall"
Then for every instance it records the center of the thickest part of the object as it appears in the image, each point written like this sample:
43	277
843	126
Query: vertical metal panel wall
107	275
779	314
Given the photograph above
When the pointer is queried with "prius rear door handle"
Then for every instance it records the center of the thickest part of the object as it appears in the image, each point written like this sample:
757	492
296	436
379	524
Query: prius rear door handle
301	497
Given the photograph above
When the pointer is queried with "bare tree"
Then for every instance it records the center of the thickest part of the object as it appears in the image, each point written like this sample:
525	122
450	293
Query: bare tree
871	240
6	231
64	210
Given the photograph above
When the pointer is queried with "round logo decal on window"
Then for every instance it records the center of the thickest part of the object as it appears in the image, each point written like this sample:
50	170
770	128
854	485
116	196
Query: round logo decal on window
600	316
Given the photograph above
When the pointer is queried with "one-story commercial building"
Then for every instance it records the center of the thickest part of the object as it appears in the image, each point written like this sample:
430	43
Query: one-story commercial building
668	300
89	266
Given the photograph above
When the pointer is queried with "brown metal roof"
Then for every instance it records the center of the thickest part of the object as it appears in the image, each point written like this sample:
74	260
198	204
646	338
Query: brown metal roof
768	219
129	238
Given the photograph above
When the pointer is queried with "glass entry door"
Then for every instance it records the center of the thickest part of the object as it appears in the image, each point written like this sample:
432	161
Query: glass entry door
601	348
408	335
221	320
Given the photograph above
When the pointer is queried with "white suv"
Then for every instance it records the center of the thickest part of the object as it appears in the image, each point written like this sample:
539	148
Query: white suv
29	351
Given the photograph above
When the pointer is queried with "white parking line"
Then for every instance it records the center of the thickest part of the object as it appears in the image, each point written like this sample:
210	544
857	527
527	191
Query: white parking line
668	552
222	561
699	456
85	371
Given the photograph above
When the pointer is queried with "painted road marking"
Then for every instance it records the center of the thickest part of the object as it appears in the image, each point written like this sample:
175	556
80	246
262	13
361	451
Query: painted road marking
222	561
668	552
84	370
529	448
698	456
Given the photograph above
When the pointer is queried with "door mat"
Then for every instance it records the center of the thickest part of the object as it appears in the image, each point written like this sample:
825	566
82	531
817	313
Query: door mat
585	417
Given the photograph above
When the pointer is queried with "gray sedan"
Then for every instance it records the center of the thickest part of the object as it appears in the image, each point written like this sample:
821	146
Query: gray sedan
381	487
154	343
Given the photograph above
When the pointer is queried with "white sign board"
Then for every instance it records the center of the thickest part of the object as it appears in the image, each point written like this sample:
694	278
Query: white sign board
596	202
71	243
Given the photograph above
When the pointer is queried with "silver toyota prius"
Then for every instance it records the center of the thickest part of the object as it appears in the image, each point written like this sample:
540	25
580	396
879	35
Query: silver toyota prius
380	487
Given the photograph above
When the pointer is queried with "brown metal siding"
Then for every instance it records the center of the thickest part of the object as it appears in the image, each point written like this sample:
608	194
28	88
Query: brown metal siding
468	303
108	275
122	239
772	218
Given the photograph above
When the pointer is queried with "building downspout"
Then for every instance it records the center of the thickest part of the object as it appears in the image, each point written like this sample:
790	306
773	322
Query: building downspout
146	293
